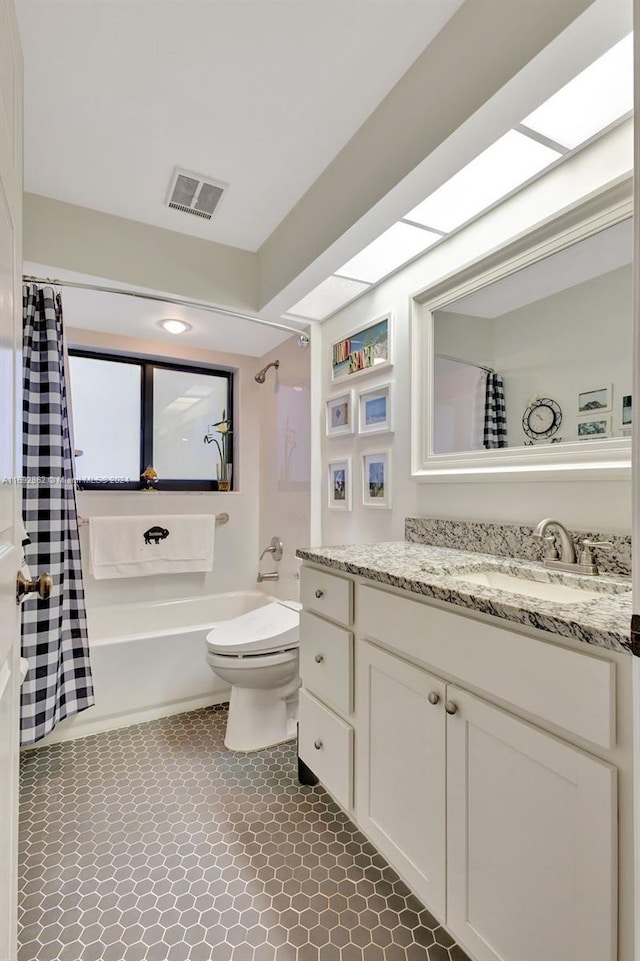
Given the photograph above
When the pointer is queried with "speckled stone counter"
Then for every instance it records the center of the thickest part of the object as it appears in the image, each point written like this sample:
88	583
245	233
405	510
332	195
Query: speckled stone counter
420	569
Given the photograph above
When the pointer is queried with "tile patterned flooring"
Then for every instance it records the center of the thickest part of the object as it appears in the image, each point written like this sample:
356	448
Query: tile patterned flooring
154	843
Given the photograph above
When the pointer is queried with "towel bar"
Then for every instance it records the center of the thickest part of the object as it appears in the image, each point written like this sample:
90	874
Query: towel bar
221	518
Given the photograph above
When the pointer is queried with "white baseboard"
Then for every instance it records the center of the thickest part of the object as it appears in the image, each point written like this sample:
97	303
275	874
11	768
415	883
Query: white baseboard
81	725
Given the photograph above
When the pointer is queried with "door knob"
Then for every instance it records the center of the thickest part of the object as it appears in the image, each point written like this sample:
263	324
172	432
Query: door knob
319	593
42	585
318	745
319	658
434	697
451	707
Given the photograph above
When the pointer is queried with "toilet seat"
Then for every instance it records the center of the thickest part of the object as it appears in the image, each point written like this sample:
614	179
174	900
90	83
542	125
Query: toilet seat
274	627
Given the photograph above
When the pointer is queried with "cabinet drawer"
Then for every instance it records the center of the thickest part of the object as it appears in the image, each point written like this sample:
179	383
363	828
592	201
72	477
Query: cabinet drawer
327	594
325	744
326	659
571	690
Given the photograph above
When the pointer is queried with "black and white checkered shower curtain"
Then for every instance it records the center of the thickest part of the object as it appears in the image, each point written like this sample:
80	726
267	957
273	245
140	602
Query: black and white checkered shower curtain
54	632
495	413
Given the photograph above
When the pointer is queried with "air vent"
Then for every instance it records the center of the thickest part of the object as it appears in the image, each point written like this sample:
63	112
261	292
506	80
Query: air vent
194	193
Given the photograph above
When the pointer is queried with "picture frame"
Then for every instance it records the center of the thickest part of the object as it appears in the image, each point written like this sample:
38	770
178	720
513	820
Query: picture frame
597	401
376	479
340	414
627	410
339	484
375	410
595	428
365	350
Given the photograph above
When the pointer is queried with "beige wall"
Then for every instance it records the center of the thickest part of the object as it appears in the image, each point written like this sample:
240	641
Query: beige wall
75	238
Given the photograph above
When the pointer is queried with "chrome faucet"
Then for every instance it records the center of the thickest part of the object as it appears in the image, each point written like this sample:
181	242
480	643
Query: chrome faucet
275	549
567	560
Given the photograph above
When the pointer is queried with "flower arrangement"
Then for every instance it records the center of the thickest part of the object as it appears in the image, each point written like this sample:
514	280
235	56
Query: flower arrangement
222	427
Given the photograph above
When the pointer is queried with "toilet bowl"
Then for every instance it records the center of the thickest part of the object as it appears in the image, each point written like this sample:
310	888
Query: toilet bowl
257	654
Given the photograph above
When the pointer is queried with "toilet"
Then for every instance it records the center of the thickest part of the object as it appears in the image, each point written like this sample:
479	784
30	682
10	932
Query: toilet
257	654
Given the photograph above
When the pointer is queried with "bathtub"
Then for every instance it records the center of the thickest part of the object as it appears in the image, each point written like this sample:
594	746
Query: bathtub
149	660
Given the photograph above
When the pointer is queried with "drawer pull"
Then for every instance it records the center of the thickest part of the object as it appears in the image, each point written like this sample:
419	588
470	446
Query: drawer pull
319	593
451	707
318	745
319	658
434	697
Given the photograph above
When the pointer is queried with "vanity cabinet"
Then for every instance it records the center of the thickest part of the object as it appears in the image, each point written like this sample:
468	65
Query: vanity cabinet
458	739
325	734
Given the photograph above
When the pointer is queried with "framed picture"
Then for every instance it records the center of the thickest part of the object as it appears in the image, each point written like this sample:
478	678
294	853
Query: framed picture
595	401
375	414
627	410
340	414
366	349
590	429
376	479
339	480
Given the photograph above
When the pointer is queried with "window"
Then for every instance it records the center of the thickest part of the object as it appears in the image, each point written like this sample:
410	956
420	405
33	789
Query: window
129	413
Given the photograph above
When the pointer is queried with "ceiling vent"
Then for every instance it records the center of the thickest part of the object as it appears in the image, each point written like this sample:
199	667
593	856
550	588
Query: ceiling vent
194	193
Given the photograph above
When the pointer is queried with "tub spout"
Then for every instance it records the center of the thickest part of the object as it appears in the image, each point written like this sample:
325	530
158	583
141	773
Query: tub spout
271	576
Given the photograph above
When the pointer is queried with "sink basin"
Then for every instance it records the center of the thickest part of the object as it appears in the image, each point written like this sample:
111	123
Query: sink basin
541	590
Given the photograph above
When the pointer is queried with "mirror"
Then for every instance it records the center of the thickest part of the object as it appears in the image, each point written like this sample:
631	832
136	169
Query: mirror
528	360
542	356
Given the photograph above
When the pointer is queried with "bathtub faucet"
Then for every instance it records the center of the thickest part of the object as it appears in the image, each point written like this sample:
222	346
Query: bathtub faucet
271	576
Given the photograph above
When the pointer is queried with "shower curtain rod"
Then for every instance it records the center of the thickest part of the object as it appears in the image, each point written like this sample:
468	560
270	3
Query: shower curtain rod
468	363
199	304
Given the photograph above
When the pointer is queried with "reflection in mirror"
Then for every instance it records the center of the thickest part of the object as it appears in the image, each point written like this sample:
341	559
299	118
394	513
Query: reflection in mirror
541	356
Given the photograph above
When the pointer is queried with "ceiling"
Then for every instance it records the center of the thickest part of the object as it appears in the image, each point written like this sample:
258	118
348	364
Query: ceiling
603	252
259	94
137	317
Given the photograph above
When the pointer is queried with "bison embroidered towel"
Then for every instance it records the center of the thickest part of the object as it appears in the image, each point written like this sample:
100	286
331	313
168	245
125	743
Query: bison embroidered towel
137	546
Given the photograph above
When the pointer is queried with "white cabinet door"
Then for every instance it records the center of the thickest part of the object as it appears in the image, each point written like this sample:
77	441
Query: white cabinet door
400	773
10	372
531	833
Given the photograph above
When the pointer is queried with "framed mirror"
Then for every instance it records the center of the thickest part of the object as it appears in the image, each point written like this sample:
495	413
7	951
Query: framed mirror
522	363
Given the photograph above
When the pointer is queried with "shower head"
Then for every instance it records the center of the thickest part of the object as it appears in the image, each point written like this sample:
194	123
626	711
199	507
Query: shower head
261	376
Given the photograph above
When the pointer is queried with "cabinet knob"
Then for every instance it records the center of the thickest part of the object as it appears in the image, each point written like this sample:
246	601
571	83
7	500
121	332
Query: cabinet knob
319	658
317	745
451	707
319	593
434	697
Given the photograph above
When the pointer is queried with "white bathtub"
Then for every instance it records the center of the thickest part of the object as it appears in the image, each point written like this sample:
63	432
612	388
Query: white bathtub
149	660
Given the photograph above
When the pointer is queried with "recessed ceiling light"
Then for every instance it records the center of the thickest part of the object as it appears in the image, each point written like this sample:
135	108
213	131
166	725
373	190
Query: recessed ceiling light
591	101
505	165
390	250
332	293
174	326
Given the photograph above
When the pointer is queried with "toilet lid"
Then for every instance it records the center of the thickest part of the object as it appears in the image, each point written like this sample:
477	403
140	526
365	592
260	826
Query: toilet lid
274	627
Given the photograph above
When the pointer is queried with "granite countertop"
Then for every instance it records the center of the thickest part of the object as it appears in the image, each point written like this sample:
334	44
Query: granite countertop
421	569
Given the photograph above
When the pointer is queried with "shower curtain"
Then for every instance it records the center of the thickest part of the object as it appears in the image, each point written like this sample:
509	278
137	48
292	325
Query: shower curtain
54	631
495	413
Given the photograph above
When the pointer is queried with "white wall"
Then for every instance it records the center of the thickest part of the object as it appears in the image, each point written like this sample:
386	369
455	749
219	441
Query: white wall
285	462
601	505
236	549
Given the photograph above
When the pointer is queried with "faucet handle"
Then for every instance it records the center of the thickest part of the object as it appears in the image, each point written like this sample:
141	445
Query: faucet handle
586	555
551	552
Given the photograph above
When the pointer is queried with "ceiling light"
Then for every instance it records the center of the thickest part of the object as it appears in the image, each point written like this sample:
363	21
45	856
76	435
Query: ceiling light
390	250
505	165
332	293
174	326
591	101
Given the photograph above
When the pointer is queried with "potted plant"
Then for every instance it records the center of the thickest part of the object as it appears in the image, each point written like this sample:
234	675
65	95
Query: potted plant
224	467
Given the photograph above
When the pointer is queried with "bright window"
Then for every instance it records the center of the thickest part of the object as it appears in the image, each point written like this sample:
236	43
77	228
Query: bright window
129	413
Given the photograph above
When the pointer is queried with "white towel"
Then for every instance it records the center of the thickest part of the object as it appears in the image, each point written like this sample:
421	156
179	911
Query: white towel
137	546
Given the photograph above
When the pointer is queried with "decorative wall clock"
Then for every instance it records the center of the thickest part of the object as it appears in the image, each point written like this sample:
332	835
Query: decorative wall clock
542	418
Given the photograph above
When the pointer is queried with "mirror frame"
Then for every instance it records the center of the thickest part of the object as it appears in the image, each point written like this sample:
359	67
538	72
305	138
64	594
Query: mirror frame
609	458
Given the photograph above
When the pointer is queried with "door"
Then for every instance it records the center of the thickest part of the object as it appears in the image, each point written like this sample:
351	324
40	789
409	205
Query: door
400	777
532	840
10	326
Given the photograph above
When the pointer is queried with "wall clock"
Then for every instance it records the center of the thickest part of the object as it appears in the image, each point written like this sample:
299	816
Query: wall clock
542	418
